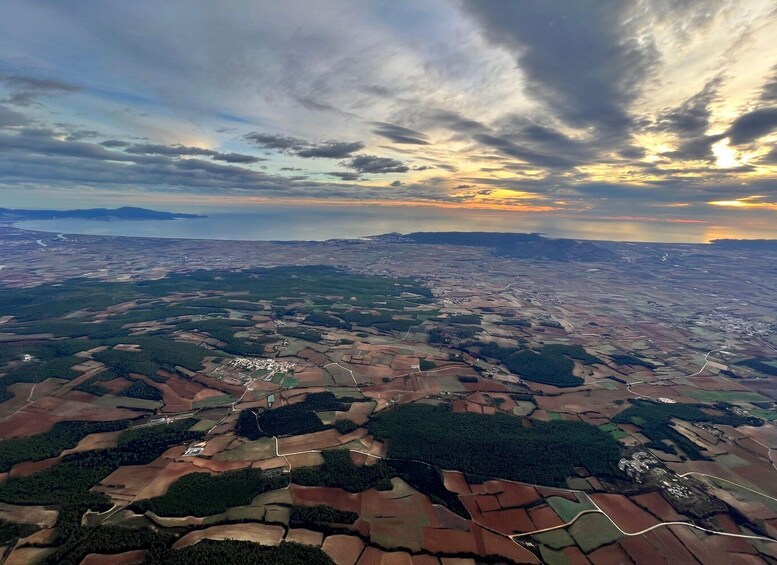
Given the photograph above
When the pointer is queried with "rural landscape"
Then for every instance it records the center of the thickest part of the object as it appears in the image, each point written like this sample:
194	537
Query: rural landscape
425	399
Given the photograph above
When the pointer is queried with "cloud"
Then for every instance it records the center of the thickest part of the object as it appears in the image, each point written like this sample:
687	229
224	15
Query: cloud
396	183
691	119
372	164
182	150
752	126
39	155
511	149
237	158
25	90
769	90
328	149
344	175
399	134
274	141
585	61
114	143
9	118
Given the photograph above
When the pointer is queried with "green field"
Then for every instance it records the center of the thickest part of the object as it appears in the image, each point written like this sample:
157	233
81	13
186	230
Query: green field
613	430
555	539
566	509
214	401
726	396
593	530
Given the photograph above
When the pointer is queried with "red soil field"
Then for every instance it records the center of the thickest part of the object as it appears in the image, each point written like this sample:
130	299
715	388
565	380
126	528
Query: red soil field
116	385
648	548
25	424
500	545
656	504
548	491
514	520
30	467
487	503
210	382
609	554
127	558
305	442
448	541
575	556
627	515
425	560
513	494
217	445
306	537
397	558
164	478
754	447
444	518
334	497
102	440
371	556
218	466
544	517
460	406
343	550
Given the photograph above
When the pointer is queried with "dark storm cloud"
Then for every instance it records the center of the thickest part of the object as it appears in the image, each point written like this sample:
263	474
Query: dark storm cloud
25	90
753	125
583	61
327	149
372	164
399	134
182	150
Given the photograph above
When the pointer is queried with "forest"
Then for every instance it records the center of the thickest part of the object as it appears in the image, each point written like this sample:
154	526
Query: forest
654	419
496	446
203	494
321	514
63	435
549	364
291	419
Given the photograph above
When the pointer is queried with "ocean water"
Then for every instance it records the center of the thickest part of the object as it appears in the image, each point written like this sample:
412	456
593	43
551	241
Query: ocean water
304	223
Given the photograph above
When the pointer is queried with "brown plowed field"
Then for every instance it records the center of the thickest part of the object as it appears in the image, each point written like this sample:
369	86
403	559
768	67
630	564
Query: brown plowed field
625	513
342	549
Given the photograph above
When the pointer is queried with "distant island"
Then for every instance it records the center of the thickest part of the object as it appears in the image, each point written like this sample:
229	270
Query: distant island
746	244
516	245
104	214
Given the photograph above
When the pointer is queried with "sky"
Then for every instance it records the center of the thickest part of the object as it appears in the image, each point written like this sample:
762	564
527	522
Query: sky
661	111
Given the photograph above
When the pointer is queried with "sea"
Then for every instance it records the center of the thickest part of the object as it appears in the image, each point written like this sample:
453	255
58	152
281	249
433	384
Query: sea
319	223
